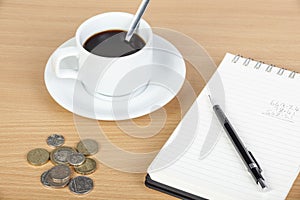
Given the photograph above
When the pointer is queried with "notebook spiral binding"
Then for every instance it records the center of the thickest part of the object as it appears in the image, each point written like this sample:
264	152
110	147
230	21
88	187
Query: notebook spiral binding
258	65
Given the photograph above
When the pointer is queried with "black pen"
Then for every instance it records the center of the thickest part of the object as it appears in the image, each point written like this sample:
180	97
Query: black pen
247	157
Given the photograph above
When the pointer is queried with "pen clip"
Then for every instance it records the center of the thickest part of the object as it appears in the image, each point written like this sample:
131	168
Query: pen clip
260	169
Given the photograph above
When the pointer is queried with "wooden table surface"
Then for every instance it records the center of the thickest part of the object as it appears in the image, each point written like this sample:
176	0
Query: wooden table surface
31	30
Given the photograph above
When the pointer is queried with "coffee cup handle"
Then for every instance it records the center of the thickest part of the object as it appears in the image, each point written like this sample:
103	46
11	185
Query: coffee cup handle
59	56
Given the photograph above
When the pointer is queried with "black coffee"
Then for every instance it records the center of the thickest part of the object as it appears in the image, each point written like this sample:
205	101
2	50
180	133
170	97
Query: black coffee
112	44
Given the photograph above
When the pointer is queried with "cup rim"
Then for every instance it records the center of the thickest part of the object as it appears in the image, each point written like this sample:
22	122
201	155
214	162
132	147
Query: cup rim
80	28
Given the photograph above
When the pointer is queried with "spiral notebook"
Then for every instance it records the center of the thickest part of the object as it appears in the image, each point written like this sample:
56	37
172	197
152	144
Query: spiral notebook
262	102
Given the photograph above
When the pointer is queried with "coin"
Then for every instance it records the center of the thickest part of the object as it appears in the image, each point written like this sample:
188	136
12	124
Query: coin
81	185
38	157
56	185
76	159
44	179
60	173
47	181
55	140
59	155
88	167
87	147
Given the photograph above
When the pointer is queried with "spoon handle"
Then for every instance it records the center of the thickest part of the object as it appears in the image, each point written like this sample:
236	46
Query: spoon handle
136	20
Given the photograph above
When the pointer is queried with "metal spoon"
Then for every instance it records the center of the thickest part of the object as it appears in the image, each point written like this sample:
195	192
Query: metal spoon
136	20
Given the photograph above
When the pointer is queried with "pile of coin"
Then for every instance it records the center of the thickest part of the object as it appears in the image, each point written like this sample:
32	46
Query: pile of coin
66	160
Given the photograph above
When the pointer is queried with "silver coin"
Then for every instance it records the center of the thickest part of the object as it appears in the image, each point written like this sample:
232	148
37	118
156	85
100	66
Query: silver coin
47	181
59	155
44	179
60	173
56	185
75	158
81	185
55	140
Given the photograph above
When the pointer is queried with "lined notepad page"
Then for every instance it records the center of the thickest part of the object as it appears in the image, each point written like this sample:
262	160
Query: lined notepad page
264	109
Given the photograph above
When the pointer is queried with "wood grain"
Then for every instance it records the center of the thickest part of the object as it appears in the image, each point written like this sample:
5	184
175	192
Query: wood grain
31	30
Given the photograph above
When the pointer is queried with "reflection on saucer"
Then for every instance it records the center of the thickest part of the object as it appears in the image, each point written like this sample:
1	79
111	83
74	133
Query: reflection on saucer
126	97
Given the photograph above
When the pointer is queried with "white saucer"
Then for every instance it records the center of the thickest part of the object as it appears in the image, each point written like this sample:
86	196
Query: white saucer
168	78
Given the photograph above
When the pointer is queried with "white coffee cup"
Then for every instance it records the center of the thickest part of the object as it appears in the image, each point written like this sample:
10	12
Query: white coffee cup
105	76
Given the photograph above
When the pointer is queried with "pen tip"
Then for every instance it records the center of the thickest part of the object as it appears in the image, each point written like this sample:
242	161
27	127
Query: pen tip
263	185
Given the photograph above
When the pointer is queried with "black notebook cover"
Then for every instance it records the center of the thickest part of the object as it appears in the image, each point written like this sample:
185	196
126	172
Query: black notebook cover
170	190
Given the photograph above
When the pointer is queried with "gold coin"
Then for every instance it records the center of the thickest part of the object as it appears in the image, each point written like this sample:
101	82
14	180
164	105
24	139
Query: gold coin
87	147
88	167
38	157
60	155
